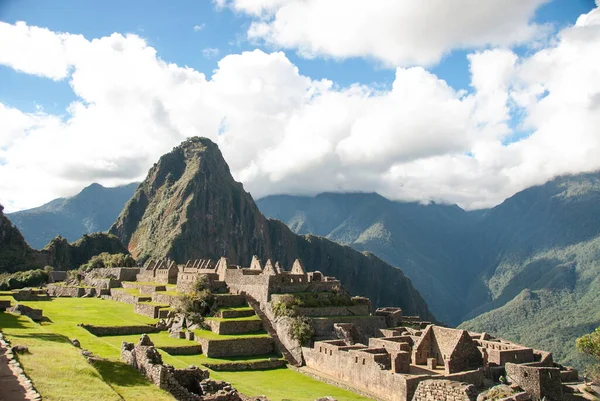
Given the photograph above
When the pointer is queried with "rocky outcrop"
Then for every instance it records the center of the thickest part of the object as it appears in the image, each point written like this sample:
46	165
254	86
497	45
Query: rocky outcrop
190	207
62	255
15	254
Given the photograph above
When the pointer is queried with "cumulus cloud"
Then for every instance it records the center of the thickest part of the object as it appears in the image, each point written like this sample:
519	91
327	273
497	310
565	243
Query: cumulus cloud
395	32
283	132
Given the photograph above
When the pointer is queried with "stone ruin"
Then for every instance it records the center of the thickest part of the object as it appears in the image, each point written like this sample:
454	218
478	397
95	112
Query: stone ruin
190	384
382	353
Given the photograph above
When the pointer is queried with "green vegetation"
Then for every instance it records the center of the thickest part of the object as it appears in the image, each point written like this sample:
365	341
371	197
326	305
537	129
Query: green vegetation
301	329
287	304
27	278
590	344
106	259
561	306
53	358
200	303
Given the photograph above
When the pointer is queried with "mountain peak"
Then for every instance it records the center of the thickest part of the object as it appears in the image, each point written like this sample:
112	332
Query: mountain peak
190	207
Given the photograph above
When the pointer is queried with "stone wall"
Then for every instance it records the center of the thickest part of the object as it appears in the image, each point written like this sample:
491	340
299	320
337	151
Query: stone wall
355	310
119	330
234	326
185	350
33	314
4	304
236	346
500	353
191	384
124	296
56	290
538	382
173	300
250	365
368	377
28	294
444	390
368	326
118	273
148	309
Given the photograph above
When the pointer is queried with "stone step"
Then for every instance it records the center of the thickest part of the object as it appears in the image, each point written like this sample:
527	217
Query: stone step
151	309
194	349
240	346
144	288
119	294
235	312
230	300
234	326
238	366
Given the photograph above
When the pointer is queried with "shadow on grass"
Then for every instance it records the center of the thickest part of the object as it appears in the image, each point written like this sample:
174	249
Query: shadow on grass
10	321
58	338
120	374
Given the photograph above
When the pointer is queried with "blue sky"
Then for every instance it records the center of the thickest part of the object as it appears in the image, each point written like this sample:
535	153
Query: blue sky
168	26
461	102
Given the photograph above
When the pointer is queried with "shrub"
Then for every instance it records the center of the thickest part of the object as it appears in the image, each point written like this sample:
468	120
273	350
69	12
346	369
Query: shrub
106	259
27	278
590	344
301	329
200	303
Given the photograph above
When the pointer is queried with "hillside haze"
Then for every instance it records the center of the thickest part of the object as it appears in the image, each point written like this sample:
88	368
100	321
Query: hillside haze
189	206
93	209
426	240
534	256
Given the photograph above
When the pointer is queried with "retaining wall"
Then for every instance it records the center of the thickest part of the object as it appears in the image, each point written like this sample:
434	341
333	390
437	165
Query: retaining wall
236	346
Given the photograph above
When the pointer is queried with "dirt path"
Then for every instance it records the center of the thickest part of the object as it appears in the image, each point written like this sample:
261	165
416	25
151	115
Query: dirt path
10	387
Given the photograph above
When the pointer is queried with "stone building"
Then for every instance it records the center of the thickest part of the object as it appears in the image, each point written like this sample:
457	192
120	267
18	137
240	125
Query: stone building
163	271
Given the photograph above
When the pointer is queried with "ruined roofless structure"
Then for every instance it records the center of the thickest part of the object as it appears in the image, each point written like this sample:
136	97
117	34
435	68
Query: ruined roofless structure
381	353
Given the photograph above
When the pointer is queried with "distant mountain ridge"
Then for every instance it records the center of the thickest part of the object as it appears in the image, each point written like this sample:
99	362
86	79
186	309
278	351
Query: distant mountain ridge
93	209
527	269
17	255
190	207
425	240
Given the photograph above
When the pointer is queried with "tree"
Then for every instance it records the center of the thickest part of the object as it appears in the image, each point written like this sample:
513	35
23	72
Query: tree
590	344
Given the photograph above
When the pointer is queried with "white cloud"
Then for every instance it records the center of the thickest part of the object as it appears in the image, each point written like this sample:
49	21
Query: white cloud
198	28
395	32
210	52
282	132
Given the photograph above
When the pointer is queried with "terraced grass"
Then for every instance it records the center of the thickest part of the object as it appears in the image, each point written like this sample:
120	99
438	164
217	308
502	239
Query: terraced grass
86	383
214	336
52	359
237	308
220	319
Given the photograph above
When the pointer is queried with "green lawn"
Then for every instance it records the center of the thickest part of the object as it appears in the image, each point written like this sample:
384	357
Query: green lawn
53	359
61	373
221	319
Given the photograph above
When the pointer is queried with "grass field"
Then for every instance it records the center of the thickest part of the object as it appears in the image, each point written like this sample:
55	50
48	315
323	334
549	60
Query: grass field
60	373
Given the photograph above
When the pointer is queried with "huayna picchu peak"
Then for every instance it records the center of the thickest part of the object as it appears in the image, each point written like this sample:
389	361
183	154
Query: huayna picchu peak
190	207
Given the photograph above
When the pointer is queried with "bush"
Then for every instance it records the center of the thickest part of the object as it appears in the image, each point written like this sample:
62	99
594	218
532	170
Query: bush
106	259
199	303
301	329
18	280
